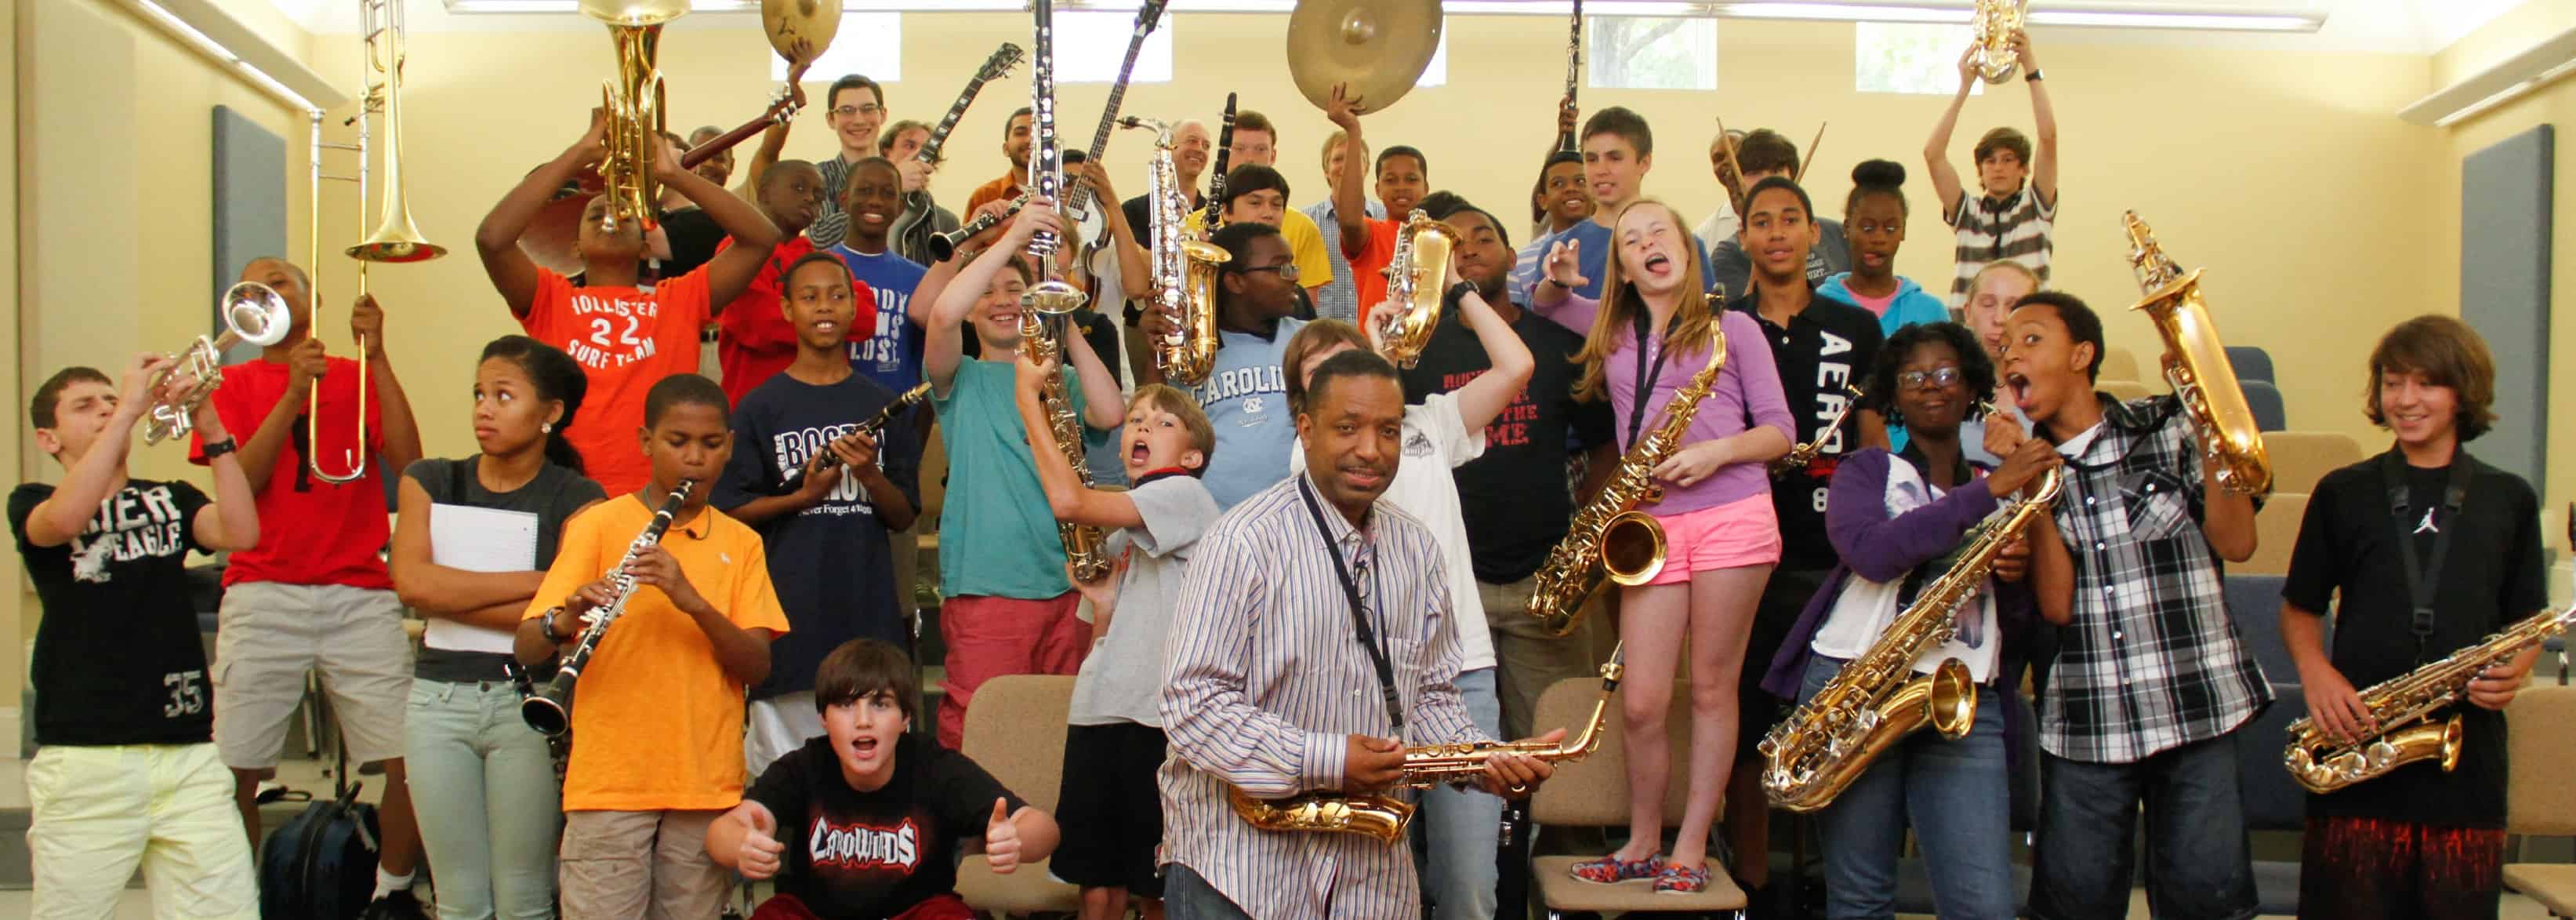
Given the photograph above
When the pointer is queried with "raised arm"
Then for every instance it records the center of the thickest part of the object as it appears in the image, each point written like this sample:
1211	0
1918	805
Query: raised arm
1135	274
493	600
1102	409
260	451
1486	396
773	140
1350	206
63	515
2043	162
232	522
497	239
1936	151
753	235
1560	273
398	432
943	344
1066	497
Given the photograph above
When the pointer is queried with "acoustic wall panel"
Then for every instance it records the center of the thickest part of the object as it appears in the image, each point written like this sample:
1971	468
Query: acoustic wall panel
249	208
2504	290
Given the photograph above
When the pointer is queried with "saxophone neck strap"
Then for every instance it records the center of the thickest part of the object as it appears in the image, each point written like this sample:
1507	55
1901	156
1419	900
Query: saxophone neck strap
2422	582
1359	611
1646	376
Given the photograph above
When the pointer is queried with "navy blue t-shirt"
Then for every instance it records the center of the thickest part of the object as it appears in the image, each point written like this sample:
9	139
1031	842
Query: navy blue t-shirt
833	564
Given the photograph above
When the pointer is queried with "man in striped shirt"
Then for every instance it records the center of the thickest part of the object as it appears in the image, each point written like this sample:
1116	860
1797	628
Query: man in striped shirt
2014	214
1271	668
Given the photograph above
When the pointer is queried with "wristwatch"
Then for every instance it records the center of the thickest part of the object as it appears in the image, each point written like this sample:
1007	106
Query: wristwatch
1456	294
213	449
551	635
2032	77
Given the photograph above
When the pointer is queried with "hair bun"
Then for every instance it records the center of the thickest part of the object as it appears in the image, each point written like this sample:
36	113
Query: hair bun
1887	173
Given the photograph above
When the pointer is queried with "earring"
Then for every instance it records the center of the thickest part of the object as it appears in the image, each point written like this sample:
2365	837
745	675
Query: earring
546	427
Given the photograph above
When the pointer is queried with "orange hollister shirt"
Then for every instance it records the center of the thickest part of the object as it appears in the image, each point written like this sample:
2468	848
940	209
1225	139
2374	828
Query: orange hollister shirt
660	724
627	340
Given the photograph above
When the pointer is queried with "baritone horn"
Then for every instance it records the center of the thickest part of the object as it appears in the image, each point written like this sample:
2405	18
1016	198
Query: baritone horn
397	237
254	314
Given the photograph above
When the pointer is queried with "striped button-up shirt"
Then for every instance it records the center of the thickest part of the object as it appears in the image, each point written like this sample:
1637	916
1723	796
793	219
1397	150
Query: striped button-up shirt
1268	679
2152	660
2019	226
1337	299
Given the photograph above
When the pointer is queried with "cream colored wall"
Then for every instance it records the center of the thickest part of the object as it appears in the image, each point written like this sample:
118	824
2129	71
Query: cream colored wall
2553	104
114	141
2285	174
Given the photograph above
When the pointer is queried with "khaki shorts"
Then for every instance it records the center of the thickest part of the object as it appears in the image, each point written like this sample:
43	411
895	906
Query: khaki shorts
98	812
631	865
272	634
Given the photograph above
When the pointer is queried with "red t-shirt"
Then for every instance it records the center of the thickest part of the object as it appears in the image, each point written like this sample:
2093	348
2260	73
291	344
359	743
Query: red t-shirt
627	341
1368	269
754	340
311	532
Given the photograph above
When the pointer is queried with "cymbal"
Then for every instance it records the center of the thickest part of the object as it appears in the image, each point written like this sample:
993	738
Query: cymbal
789	23
1379	47
634	12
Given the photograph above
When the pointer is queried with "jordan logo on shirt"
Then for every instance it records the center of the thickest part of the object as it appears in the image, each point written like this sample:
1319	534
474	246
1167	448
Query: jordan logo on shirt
2426	525
859	847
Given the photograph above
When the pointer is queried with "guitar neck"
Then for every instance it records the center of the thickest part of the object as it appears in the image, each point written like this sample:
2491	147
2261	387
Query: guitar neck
956	112
1081	196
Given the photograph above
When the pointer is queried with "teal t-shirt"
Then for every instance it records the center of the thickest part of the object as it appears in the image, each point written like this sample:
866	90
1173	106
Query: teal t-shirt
997	536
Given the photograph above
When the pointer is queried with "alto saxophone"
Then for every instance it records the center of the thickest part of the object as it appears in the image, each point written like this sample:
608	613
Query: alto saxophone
1610	540
1084	545
1385	816
1803	454
1995	22
2400	707
1184	269
1875	700
1413	291
2195	364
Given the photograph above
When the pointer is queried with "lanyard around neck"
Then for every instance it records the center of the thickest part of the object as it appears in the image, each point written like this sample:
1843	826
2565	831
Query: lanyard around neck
1359	613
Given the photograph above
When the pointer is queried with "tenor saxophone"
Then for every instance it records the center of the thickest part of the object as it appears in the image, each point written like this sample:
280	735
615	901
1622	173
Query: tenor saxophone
2400	707
1413	291
2195	364
1875	700
1084	545
1610	540
1184	269
1384	816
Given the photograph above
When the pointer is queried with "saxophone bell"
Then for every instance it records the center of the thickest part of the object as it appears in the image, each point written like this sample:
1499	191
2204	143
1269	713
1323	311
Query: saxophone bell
1413	292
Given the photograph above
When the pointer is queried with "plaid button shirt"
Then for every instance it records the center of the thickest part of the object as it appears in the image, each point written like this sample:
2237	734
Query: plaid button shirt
2152	661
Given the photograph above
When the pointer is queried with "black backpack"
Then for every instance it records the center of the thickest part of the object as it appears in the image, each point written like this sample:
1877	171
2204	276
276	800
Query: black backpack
322	864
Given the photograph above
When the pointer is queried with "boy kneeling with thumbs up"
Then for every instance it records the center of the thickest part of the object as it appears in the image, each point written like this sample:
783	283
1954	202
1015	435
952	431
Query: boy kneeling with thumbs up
872	814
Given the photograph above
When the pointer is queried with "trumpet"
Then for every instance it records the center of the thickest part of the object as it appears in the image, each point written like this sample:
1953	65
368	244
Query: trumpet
397	237
253	313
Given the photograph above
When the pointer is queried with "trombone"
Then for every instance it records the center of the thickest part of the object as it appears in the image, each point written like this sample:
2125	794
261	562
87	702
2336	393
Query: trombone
396	239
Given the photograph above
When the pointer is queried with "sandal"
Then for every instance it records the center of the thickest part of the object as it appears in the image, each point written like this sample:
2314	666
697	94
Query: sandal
1680	879
1611	870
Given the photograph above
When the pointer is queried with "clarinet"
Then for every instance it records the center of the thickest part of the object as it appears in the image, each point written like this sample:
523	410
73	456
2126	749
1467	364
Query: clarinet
549	710
1046	157
1573	71
943	245
1215	215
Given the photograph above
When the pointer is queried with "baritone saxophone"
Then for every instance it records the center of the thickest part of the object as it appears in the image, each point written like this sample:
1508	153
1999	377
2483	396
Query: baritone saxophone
1184	269
1413	291
2195	364
1384	816
1610	540
2401	706
1876	700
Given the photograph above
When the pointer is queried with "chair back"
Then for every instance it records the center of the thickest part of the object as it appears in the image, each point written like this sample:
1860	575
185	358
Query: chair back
2251	362
2301	458
2538	747
2264	400
1015	731
1593	792
2276	530
2117	364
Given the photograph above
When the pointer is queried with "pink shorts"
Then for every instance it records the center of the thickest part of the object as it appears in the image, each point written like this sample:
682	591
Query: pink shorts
1733	535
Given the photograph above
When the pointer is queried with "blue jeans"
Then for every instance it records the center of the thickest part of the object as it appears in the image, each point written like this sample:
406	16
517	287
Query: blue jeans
1186	896
1956	794
1463	827
2198	864
484	787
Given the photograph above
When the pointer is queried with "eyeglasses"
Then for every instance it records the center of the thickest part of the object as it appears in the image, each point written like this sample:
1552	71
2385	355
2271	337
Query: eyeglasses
1287	271
1939	377
849	110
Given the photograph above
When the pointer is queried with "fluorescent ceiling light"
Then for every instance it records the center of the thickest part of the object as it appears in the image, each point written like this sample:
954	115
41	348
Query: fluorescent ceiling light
2129	15
205	28
2502	82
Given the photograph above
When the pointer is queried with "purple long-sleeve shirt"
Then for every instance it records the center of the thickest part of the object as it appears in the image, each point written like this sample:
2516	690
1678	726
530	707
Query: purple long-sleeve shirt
1747	394
1880	548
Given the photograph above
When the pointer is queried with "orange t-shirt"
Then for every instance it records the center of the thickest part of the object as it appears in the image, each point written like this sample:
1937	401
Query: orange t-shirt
627	341
1002	189
1368	269
660	724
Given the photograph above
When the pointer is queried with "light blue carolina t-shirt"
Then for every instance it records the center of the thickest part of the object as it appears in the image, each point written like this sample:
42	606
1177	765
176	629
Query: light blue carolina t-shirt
998	529
1591	256
1246	398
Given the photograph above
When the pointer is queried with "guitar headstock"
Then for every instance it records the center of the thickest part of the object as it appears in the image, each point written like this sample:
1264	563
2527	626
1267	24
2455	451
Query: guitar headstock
999	65
1148	16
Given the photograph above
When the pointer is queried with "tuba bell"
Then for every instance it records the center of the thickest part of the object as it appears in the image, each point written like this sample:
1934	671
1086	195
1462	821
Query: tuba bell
1413	291
253	314
1995	22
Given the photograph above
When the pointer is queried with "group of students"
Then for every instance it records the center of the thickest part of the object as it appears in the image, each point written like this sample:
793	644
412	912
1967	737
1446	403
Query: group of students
1321	559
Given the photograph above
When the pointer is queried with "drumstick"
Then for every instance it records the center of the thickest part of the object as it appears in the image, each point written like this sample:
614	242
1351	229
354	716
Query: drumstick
1811	153
1735	189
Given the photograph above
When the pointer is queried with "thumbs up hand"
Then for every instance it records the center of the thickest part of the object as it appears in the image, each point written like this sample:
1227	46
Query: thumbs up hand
760	847
1002	840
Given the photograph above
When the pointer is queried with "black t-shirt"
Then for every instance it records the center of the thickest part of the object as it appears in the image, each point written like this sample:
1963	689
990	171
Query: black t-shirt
693	237
1514	498
552	496
875	854
2491	575
1140	215
118	660
1827	346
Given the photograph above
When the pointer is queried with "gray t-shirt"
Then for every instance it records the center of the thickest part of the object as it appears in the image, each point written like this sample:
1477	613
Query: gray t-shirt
552	497
1122	680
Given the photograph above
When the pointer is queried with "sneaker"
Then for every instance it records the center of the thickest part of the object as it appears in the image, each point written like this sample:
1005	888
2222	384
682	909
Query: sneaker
1611	870
399	905
1679	879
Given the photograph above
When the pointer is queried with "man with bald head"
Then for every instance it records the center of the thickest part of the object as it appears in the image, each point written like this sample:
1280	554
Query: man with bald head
313	593
1190	150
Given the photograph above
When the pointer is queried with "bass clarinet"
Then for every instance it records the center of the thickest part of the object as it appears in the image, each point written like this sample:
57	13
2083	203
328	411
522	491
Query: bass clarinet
550	710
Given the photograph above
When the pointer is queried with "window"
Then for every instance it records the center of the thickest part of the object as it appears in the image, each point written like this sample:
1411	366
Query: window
1657	52
867	43
1089	46
1437	74
1909	57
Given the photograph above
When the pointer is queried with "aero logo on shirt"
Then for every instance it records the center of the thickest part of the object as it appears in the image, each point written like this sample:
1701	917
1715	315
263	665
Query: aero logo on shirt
130	525
613	331
1831	378
859	847
794	448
